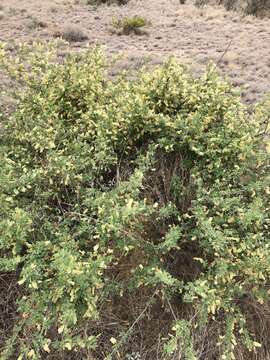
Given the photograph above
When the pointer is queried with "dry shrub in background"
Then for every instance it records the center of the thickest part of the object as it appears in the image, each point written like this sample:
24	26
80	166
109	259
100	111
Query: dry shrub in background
134	214
250	7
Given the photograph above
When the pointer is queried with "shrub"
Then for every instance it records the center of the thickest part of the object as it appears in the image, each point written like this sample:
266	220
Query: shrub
71	34
129	25
35	23
249	7
114	189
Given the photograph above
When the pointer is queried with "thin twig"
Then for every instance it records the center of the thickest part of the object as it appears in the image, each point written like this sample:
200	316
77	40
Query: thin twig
170	306
224	53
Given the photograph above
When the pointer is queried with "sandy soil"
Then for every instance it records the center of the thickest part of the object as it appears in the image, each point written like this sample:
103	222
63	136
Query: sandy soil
195	36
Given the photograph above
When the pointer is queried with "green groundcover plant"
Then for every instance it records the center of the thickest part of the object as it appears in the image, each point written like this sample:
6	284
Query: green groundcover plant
130	24
112	186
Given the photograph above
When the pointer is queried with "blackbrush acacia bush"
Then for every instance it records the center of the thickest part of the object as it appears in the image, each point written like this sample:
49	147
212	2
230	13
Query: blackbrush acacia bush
106	186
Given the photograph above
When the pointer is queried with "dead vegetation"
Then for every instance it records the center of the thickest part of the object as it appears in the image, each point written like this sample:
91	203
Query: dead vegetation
259	8
36	23
71	34
107	2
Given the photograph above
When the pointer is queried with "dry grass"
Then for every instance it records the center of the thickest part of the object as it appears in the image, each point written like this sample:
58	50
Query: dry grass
36	23
9	291
71	34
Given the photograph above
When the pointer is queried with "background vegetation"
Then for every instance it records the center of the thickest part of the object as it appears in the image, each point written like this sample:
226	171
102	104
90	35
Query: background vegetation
250	7
130	25
108	2
134	218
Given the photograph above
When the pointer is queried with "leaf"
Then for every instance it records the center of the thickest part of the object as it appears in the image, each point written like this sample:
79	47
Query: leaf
46	348
113	340
61	329
256	344
68	346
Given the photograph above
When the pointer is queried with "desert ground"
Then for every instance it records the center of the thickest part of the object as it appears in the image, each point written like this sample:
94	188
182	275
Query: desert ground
240	45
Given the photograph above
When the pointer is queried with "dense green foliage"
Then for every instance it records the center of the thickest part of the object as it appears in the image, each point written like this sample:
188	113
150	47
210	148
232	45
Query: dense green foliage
109	187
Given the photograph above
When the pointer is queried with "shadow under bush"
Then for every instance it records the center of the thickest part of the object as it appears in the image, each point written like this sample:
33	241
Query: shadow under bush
136	212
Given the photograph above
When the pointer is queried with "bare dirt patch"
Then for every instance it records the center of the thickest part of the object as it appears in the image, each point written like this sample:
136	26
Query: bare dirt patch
194	36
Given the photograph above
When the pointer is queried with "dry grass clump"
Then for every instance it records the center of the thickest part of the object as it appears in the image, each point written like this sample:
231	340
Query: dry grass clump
108	2
36	23
207	12
71	34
